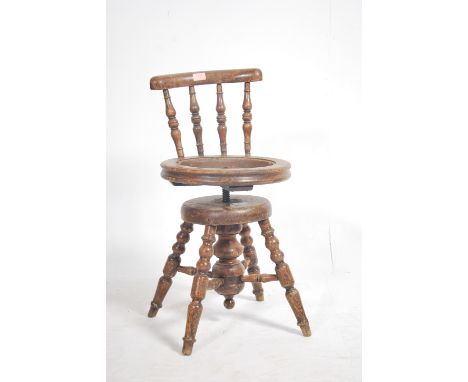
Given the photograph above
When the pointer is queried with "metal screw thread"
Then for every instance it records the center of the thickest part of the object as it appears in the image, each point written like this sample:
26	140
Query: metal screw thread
226	196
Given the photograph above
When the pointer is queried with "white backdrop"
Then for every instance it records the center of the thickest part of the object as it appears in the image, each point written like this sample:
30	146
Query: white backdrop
303	111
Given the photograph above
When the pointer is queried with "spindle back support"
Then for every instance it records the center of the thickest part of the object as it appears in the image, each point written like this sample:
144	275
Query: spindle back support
218	77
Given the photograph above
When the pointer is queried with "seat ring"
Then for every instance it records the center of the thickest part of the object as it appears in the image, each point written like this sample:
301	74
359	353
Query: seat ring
211	210
225	170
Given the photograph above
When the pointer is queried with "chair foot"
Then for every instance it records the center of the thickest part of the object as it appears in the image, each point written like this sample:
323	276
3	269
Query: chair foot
187	347
305	328
153	310
199	287
259	295
285	276
202	282
170	268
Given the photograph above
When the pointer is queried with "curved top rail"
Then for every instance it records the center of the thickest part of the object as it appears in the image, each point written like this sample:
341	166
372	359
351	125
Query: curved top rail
177	80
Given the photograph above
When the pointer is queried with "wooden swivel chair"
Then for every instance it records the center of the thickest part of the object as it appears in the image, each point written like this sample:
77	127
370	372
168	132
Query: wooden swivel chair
222	215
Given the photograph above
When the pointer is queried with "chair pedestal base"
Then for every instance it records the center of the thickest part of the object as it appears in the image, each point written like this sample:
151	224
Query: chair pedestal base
228	268
228	275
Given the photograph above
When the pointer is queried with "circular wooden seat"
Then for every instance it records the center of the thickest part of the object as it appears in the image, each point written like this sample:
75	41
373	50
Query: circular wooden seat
225	170
225	217
211	210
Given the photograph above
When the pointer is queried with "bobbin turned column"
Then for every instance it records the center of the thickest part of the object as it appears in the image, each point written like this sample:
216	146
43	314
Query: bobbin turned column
170	269
285	276
227	249
199	286
250	255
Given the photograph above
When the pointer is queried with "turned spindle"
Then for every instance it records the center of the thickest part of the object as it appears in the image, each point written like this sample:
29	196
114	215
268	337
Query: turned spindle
199	287
259	278
247	118
227	217
187	270
250	256
196	120
221	118
171	268
173	124
285	276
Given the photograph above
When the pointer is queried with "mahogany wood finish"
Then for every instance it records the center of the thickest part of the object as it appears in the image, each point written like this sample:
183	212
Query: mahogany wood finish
285	276
223	216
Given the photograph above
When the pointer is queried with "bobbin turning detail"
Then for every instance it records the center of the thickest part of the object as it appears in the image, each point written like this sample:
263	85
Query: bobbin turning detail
226	217
227	249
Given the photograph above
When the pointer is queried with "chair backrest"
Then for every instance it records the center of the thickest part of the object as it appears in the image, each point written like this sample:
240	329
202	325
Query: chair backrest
217	77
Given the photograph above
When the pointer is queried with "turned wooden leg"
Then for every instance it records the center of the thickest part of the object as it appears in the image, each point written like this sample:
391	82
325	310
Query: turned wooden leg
251	256
284	276
199	286
170	269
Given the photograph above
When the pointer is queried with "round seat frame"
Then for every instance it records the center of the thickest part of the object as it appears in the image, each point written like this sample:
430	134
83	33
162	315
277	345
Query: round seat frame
211	210
224	218
218	170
